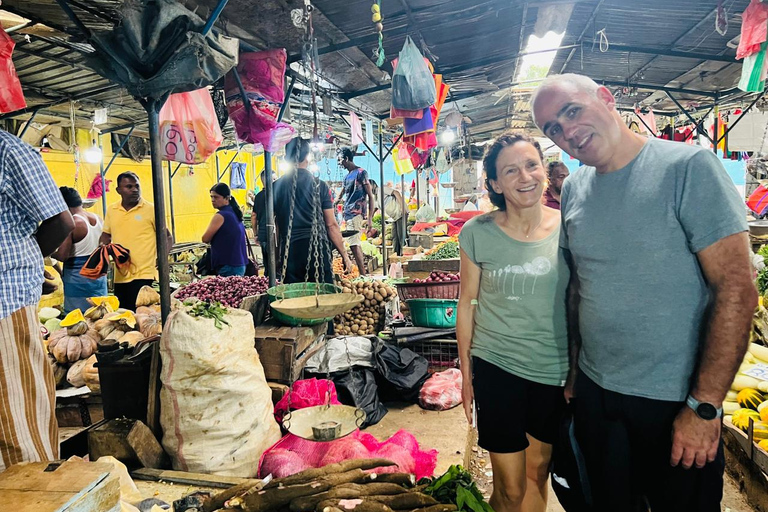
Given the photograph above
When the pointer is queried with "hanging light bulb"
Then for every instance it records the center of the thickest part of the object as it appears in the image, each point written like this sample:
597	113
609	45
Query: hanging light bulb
284	166
447	137
93	154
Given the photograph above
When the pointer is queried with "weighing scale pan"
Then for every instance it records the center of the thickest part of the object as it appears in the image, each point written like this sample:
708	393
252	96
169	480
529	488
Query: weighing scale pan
344	418
313	306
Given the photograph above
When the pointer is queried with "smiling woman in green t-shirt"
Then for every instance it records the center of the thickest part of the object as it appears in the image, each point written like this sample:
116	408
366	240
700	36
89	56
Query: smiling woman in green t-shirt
511	324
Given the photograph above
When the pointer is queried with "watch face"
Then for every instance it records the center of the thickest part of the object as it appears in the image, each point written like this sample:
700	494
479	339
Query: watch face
706	411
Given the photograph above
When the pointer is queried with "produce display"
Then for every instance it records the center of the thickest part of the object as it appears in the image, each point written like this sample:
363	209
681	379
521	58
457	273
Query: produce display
440	277
338	269
229	291
341	486
76	340
456	487
212	310
368	317
443	251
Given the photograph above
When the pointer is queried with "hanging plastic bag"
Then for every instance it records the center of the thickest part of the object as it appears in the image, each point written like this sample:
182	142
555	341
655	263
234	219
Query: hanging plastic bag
11	95
413	87
237	176
189	131
262	75
426	214
441	165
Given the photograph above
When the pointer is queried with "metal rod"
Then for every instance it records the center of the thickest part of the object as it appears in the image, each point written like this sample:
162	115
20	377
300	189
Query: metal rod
170	198
228	165
103	180
214	16
119	149
373	153
688	115
728	130
270	213
697	126
176	169
645	124
418	192
216	156
29	122
72	16
395	143
715	128
288	92
158	194
403	235
581	36
381	190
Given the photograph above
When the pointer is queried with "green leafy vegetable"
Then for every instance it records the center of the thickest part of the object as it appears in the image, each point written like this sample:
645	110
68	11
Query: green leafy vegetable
456	486
763	251
212	310
762	281
446	251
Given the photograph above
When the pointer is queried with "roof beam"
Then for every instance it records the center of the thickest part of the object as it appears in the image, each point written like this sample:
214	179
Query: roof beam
581	36
669	53
54	58
651	87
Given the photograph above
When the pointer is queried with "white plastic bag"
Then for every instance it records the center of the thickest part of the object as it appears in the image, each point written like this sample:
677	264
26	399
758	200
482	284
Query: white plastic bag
426	214
216	407
413	86
333	356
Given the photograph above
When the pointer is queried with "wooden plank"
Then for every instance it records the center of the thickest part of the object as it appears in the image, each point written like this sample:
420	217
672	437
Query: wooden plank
184	477
153	402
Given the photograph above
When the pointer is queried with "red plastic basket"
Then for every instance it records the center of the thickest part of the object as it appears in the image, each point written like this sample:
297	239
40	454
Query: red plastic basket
436	290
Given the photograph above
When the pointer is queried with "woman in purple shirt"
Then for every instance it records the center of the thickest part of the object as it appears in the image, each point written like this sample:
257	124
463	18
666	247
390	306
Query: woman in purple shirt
226	234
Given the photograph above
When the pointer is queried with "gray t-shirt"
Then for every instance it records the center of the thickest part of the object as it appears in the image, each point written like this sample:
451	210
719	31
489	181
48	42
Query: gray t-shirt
520	316
634	234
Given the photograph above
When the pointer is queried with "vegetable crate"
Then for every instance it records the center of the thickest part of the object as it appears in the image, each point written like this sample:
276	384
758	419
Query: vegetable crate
436	290
441	354
424	240
284	350
434	313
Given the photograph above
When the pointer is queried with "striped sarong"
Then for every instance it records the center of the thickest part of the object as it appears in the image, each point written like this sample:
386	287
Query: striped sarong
28	429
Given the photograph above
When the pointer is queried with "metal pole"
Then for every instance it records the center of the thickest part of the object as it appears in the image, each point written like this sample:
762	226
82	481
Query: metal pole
103	172
270	213
728	130
158	194
403	235
29	123
216	156
170	197
418	193
214	16
119	149
717	119
381	190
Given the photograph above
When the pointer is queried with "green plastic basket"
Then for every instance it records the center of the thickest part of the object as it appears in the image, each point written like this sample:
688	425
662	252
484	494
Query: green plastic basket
434	313
293	290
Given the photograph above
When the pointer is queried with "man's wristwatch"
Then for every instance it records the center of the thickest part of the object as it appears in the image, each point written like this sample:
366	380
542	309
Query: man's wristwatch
704	410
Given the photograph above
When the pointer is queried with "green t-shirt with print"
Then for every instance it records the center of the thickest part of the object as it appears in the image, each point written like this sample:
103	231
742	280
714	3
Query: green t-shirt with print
520	316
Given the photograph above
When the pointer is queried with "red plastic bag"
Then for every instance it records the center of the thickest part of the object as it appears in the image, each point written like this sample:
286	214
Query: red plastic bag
262	75
11	95
442	391
758	200
189	129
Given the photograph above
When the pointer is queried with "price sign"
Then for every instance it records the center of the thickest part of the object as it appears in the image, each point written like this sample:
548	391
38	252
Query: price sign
759	371
179	143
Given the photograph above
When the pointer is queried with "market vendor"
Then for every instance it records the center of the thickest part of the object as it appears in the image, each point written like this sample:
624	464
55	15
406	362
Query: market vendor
556	174
130	222
75	251
226	234
359	204
660	304
511	325
295	196
259	223
34	221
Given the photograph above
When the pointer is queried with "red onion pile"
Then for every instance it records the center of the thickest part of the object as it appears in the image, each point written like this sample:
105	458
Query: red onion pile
230	291
438	277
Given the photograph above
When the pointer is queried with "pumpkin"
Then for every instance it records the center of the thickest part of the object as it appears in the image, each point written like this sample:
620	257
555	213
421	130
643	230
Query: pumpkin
131	337
147	296
150	323
59	372
740	418
749	398
75	374
69	349
121	322
91	374
75	323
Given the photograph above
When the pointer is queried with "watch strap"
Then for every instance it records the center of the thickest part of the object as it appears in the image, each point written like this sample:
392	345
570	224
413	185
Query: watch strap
694	404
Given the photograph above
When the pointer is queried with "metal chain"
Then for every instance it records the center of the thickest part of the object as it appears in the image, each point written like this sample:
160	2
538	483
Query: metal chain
290	226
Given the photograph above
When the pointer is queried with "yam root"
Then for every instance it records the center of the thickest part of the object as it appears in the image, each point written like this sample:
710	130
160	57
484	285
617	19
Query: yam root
346	491
277	497
403	479
340	467
356	505
442	507
217	501
406	501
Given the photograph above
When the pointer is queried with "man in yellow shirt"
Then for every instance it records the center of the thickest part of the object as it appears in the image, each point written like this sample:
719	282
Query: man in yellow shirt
131	223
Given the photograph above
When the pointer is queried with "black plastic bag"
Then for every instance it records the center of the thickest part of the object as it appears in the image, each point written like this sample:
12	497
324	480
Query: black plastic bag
357	387
401	372
569	473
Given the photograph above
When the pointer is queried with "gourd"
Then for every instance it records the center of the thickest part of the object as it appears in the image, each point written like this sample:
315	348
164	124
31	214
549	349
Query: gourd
91	374
131	337
121	322
59	372
750	398
745	381
147	296
731	395
74	341
149	320
102	306
740	418
75	374
46	314
759	351
763	444
730	407
759	431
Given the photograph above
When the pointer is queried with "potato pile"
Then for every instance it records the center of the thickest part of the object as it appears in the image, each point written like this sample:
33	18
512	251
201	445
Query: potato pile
367	318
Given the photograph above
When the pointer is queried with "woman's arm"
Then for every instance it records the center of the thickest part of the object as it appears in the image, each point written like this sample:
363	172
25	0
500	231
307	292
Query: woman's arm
334	235
465	326
216	222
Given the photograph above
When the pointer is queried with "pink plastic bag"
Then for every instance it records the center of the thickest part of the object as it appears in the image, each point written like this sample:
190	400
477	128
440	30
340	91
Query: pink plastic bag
292	454
11	95
442	391
189	129
306	393
262	75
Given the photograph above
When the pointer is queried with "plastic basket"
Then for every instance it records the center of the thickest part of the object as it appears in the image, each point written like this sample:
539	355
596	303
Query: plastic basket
437	290
434	313
291	291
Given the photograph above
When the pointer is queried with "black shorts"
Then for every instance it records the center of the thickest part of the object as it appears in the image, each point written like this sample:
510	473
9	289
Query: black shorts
509	407
626	442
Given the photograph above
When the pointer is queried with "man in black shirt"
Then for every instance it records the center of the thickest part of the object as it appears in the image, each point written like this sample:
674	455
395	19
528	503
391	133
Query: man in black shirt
297	153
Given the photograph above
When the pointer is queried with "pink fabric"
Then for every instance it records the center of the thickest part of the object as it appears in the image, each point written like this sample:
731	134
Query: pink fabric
262	75
11	95
649	119
754	29
442	391
357	129
306	393
293	454
96	189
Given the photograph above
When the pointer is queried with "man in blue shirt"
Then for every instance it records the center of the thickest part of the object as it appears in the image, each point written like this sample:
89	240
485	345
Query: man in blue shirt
34	221
359	204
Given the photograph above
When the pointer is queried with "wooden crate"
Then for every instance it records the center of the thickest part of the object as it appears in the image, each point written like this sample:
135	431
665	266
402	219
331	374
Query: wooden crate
425	240
284	350
451	266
